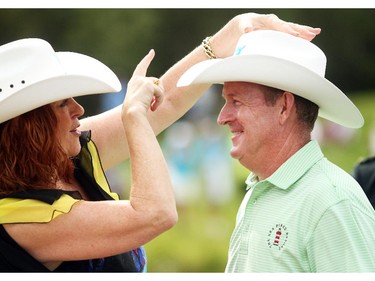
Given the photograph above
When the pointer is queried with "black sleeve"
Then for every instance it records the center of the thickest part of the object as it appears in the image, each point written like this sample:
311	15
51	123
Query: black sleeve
364	173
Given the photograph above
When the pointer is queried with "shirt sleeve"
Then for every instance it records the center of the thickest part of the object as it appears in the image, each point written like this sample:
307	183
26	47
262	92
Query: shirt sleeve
343	241
19	210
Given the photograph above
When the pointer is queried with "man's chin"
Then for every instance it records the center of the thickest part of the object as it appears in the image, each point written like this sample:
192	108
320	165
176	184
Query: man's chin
234	153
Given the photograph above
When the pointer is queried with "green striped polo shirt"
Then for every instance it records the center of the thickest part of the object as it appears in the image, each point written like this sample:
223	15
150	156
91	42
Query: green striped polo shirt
308	216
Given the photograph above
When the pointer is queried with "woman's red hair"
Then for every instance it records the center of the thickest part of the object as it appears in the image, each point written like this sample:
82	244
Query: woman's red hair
31	156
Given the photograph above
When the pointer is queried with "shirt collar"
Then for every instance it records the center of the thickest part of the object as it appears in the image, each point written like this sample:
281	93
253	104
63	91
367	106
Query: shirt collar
296	166
292	169
251	180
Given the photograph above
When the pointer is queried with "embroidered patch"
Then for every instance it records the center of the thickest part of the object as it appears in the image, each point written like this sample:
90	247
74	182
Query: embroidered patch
278	236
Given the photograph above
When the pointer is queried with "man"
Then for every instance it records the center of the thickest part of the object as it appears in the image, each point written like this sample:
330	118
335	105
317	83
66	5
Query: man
301	213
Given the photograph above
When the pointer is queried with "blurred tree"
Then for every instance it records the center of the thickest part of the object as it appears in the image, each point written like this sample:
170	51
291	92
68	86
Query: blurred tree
121	37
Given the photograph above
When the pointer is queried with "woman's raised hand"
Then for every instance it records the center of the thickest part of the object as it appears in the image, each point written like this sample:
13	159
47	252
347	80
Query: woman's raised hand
143	93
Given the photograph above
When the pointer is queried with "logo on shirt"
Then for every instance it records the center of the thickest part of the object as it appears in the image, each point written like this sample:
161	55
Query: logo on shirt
278	236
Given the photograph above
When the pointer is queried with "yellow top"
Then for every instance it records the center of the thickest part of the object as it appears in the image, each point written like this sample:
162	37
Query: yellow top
38	209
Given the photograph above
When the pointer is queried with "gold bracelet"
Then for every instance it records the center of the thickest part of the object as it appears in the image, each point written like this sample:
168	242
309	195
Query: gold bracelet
207	48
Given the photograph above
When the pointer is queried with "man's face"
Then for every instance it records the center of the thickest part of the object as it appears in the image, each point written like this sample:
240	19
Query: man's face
252	122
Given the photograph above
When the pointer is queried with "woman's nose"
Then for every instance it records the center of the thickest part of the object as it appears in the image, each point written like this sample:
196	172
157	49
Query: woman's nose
77	109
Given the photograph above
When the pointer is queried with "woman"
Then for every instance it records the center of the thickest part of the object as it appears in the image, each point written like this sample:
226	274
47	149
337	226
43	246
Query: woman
57	210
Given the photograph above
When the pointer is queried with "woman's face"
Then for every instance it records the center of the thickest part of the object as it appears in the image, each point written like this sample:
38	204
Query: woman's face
67	113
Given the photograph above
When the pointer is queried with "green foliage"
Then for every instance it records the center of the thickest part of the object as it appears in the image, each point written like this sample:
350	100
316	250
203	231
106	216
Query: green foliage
346	155
121	37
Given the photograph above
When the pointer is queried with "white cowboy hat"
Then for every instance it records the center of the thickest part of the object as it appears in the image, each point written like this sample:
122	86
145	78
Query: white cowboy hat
282	61
33	75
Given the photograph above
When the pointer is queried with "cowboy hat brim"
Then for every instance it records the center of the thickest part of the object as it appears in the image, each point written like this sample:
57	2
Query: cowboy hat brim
333	104
80	75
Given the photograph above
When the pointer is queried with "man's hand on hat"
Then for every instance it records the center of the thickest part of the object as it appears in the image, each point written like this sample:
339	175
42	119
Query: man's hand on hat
225	40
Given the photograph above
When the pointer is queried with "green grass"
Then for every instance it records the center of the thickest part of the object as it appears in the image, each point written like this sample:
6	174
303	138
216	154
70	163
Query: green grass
198	243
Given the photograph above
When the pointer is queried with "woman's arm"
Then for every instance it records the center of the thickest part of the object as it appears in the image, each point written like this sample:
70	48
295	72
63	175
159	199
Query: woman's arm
107	128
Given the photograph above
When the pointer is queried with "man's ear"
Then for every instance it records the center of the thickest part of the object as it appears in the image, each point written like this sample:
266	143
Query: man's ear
287	104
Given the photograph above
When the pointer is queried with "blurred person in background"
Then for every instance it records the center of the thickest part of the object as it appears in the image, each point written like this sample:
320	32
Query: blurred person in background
301	212
364	173
58	212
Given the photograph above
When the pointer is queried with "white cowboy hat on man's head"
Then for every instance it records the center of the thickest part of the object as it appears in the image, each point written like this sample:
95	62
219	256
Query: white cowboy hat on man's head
282	61
33	75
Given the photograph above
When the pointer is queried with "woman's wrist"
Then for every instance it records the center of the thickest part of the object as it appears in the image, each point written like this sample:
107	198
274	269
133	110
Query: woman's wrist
207	48
133	113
